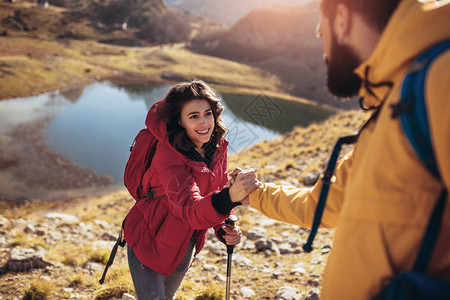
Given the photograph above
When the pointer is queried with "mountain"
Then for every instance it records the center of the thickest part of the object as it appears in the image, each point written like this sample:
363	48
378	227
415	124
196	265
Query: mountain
228	11
280	40
125	22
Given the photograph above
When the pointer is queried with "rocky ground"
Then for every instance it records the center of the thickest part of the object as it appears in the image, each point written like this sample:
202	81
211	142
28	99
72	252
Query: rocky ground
58	221
63	251
58	249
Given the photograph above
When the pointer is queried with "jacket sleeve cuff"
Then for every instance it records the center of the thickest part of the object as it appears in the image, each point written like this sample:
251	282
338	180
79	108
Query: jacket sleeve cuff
221	201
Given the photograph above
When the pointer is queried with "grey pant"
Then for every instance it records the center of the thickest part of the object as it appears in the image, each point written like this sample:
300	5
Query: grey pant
151	285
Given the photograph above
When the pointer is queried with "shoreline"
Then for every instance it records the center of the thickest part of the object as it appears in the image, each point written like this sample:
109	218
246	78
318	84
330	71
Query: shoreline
32	172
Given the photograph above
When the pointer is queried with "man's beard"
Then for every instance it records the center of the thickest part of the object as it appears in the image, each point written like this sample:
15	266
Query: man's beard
341	81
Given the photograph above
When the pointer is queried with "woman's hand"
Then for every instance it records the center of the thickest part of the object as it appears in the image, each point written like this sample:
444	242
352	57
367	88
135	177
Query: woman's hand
244	183
232	177
232	236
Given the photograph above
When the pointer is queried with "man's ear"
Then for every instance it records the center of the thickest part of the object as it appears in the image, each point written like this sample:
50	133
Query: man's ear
342	23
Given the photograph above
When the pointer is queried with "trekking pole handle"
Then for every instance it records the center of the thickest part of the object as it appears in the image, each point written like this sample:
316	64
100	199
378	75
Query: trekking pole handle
231	220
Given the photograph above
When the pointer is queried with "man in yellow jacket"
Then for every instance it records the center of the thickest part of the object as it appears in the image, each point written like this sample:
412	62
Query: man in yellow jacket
382	196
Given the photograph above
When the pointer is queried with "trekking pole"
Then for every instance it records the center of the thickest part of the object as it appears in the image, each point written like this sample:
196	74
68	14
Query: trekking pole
230	221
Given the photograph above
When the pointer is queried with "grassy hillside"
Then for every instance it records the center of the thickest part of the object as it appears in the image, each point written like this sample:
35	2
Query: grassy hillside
44	49
31	66
78	246
299	152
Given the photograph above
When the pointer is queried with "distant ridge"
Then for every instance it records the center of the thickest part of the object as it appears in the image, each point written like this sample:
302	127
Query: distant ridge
123	22
281	40
228	11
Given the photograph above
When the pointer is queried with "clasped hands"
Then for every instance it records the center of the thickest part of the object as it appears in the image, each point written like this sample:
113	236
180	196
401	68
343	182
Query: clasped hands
242	183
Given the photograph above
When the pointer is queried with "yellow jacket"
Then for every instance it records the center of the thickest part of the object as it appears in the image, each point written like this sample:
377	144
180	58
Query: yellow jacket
383	195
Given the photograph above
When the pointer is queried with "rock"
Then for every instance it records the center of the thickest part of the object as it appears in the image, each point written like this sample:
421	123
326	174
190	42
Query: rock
218	251
41	231
208	267
267	271
265	222
316	261
313	282
263	245
127	296
247	292
93	266
62	218
106	236
241	260
102	224
287	293
311	178
285	248
277	239
3	222
256	233
325	249
29	229
24	260
19	224
295	182
87	228
102	245
292	240
276	274
219	277
313	294
298	269
248	245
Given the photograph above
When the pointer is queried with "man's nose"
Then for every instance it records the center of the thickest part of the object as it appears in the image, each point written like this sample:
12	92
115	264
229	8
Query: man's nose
318	31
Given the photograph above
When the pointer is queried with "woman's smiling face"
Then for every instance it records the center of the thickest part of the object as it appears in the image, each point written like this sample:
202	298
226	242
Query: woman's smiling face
198	120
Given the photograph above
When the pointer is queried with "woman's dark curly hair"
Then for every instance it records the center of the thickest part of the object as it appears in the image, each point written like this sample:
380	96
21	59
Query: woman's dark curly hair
170	110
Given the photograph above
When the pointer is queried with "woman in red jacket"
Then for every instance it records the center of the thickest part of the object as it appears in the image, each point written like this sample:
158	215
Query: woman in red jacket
187	178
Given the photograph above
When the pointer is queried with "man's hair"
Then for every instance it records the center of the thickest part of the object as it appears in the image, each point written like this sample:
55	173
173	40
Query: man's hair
375	12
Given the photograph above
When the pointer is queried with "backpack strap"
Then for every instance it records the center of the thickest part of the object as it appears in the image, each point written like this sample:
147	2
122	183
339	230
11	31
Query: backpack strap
120	242
326	181
412	108
431	234
413	116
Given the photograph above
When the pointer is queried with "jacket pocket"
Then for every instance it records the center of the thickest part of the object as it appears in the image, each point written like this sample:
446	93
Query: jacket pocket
173	232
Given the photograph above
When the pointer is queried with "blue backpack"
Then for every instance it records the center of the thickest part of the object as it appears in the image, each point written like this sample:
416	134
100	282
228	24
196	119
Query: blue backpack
411	110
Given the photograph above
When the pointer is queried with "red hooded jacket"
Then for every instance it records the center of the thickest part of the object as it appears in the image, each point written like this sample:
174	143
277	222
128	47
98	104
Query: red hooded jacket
158	229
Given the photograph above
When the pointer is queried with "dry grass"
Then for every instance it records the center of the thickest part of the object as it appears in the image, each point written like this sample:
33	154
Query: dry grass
286	159
300	151
41	65
39	290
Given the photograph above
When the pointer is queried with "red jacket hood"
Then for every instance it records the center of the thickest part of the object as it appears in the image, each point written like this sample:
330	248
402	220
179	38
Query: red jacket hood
156	124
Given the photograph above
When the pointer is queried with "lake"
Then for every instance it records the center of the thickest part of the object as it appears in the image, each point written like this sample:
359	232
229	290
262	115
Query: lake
94	125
